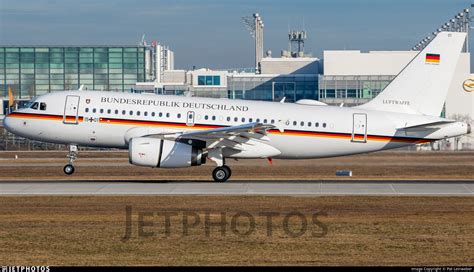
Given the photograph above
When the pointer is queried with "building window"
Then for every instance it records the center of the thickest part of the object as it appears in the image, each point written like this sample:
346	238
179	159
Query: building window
209	80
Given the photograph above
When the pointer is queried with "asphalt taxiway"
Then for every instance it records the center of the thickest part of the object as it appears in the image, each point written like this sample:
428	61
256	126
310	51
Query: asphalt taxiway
241	188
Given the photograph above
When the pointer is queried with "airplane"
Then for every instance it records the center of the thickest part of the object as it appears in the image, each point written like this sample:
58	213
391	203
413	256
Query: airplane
163	131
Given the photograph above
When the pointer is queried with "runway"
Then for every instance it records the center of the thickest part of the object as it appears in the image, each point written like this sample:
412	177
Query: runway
241	188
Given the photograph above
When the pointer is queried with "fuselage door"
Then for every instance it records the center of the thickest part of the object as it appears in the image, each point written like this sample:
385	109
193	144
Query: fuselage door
71	109
190	119
359	128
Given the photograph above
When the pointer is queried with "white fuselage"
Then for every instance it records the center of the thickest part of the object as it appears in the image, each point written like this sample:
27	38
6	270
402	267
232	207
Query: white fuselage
109	119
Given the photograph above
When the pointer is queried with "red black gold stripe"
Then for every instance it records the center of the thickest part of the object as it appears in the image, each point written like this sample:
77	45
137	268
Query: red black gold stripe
116	121
432	58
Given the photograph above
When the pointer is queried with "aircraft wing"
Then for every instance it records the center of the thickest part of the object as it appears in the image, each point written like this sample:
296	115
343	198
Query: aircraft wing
250	129
236	137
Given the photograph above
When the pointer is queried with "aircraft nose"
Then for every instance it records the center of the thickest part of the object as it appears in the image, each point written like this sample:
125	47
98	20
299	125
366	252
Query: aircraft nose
7	123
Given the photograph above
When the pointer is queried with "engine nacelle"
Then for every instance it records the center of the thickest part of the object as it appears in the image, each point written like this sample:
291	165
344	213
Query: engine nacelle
154	152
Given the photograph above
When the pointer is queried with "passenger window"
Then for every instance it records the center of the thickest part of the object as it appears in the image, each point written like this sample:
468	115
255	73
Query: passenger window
43	106
161	114
236	119
94	110
258	120
206	117
265	121
302	123
87	109
228	119
294	123
213	118
168	114
145	113
109	111
179	115
273	121
34	106
243	119
317	124
138	113
124	112
116	111
101	110
131	112
309	124
153	114
324	125
250	120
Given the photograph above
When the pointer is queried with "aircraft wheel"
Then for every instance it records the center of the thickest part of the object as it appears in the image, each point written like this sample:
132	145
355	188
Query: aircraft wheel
228	169
221	174
69	169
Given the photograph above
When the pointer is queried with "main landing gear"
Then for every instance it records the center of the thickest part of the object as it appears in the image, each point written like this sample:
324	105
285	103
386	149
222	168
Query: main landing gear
72	156
221	173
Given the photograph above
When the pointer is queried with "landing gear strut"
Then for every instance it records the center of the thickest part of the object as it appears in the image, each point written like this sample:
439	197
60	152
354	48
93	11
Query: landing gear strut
72	156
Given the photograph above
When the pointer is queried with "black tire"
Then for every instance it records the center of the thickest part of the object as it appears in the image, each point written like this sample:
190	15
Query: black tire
68	169
228	169
221	174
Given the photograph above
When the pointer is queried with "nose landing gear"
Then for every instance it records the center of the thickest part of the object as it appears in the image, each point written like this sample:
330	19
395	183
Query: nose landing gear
72	156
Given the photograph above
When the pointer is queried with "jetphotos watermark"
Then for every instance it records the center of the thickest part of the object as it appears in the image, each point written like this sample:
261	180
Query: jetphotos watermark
293	224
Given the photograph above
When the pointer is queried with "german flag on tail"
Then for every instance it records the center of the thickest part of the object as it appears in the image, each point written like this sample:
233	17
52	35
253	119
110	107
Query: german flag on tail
432	58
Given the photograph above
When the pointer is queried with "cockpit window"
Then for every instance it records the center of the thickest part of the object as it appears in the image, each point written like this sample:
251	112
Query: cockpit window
34	106
42	106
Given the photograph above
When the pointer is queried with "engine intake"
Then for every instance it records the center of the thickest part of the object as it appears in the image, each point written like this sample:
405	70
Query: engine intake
154	152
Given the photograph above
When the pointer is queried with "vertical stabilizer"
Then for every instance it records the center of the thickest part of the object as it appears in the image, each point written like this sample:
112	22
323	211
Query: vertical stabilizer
421	87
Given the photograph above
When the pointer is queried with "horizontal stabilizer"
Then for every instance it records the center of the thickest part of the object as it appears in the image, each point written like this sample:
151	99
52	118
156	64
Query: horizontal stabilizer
428	125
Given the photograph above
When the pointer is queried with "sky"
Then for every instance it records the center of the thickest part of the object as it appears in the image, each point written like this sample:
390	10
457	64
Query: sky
211	33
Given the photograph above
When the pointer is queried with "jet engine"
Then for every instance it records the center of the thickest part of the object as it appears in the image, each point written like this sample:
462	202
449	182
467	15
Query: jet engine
154	152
